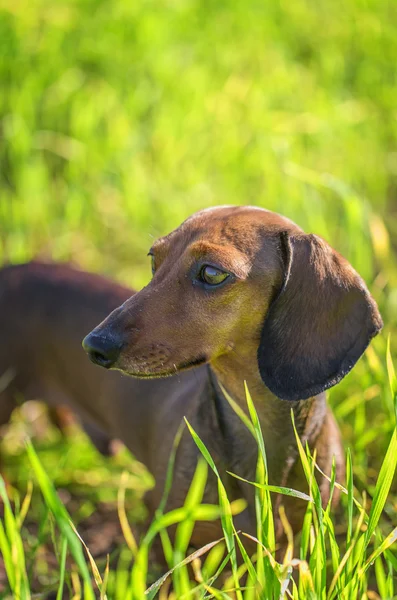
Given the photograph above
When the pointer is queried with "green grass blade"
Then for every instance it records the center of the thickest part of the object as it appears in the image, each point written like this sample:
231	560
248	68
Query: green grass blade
383	485
153	589
278	489
317	560
305	533
226	515
239	411
7	557
387	542
193	499
62	518
333	588
263	501
257	427
392	377
185	528
62	568
349	484
170	468
14	553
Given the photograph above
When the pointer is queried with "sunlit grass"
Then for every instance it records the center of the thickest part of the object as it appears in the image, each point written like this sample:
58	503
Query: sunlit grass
318	565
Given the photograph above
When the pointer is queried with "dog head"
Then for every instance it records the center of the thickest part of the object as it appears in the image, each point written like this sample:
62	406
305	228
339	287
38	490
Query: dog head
243	279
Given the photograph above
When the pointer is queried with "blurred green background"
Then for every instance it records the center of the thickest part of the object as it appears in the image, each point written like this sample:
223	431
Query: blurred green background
119	119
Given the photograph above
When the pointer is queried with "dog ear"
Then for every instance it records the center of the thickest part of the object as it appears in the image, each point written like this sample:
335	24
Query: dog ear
319	324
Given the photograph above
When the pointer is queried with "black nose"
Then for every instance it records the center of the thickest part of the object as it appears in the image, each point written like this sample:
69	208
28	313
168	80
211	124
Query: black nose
102	350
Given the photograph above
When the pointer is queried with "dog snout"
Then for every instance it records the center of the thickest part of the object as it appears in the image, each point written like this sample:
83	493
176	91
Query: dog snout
102	350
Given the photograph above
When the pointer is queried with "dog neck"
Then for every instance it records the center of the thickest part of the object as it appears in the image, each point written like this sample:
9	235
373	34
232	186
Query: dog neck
274	416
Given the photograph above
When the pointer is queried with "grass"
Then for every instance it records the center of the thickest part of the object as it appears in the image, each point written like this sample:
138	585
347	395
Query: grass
117	121
328	567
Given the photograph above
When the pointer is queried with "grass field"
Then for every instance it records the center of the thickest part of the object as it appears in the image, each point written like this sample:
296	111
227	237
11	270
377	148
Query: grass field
117	121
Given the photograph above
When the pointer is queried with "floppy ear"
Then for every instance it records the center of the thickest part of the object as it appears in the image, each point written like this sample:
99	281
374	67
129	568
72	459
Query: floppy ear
319	324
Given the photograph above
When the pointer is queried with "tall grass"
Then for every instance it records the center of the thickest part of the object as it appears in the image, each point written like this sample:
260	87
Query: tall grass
319	564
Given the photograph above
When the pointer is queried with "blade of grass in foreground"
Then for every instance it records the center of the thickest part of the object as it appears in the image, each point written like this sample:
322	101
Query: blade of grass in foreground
11	547
387	542
349	484
125	526
62	518
333	589
202	512
170	468
25	505
263	501
185	528
62	566
239	411
97	576
317	561
226	514
153	589
383	485
164	536
278	489
392	377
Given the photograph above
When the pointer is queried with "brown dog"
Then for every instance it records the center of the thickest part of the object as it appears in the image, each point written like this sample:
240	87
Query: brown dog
239	293
45	310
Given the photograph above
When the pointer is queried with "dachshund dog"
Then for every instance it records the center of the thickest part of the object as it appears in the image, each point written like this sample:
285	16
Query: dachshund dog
238	294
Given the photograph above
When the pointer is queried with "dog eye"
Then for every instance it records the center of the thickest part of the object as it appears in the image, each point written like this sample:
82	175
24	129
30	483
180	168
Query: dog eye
212	276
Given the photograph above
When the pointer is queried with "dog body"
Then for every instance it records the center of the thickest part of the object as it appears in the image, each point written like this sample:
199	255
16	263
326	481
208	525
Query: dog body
238	293
45	311
43	304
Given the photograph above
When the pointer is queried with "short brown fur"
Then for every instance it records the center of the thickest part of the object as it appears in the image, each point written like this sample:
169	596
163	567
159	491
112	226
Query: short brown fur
254	328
